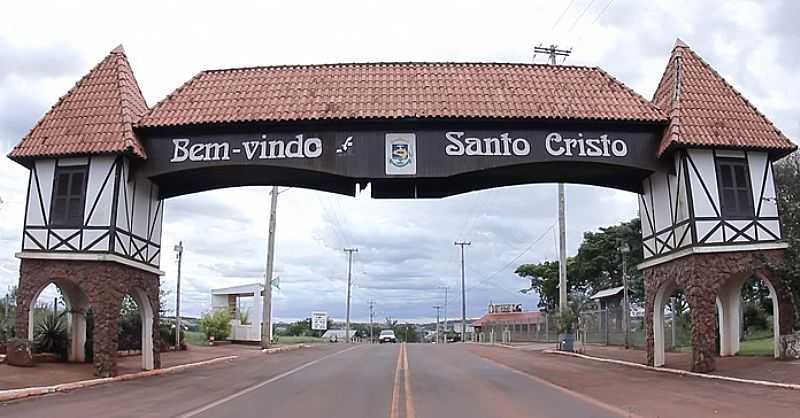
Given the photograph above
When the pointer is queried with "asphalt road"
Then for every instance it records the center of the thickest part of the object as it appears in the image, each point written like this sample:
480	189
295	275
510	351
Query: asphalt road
408	381
335	381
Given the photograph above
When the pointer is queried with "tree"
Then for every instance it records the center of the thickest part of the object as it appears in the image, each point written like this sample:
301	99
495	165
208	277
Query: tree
301	328
407	333
598	265
787	182
544	281
7	323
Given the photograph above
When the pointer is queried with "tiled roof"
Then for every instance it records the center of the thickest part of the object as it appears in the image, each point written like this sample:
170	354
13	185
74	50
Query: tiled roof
401	90
508	317
705	110
96	116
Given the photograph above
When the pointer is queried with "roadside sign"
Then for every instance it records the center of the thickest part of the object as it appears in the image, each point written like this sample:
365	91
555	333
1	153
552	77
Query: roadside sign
319	321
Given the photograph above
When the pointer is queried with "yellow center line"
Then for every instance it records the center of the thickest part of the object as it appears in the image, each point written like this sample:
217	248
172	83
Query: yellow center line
395	411
410	412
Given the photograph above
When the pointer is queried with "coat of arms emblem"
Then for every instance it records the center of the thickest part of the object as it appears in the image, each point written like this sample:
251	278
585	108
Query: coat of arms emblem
401	154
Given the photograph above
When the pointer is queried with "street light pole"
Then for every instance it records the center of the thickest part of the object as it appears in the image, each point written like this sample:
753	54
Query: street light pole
179	255
463	293
438	335
624	249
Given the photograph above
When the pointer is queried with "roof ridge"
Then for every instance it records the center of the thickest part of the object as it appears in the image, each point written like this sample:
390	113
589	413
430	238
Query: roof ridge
392	63
129	118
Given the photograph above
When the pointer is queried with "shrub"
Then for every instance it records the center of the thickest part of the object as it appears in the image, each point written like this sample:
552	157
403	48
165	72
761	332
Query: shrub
129	332
566	321
51	336
754	317
216	324
166	331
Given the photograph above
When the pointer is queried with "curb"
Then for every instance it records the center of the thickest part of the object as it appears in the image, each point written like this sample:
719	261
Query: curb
284	348
766	383
16	394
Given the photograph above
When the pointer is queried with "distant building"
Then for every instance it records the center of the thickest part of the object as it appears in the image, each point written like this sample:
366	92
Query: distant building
511	326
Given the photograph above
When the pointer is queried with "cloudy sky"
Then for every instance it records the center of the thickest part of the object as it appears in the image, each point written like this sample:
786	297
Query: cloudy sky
406	252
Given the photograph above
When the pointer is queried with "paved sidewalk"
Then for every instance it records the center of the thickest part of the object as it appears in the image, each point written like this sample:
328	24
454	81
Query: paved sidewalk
48	374
743	367
647	393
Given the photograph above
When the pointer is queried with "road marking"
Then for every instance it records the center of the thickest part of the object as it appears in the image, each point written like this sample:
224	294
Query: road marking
613	409
410	411
245	391
395	410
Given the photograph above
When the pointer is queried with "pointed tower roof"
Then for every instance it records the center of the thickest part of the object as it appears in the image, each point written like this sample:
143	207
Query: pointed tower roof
705	111
96	116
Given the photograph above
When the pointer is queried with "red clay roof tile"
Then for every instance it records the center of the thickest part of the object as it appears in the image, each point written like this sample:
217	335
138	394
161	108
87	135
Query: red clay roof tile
706	111
400	90
95	116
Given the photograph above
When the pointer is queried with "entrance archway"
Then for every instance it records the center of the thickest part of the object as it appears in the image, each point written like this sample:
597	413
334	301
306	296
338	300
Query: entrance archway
702	169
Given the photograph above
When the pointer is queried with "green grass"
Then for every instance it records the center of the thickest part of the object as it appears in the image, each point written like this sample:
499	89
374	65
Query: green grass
195	338
757	347
283	340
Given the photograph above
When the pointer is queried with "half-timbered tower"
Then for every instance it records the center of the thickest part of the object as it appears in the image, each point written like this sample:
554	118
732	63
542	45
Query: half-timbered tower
92	223
711	221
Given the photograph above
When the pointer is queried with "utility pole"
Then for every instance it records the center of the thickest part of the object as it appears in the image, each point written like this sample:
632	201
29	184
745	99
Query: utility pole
179	256
437	307
553	52
445	316
349	252
463	293
371	315
266	309
624	249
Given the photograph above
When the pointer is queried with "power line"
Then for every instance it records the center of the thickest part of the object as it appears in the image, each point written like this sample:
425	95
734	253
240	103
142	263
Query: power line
585	9
596	19
562	14
536	241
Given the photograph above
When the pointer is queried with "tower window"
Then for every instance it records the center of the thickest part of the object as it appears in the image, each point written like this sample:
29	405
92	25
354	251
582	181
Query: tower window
735	191
69	196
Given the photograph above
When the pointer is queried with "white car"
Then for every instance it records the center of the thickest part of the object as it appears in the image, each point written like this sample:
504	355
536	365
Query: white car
387	336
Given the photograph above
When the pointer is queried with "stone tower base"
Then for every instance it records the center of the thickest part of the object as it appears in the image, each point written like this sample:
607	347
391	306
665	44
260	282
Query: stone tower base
711	281
100	285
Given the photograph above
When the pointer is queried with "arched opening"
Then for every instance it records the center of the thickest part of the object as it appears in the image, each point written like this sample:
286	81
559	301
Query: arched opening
57	320
671	322
135	326
731	310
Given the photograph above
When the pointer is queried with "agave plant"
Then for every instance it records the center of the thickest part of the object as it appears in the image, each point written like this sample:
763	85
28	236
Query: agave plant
51	336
